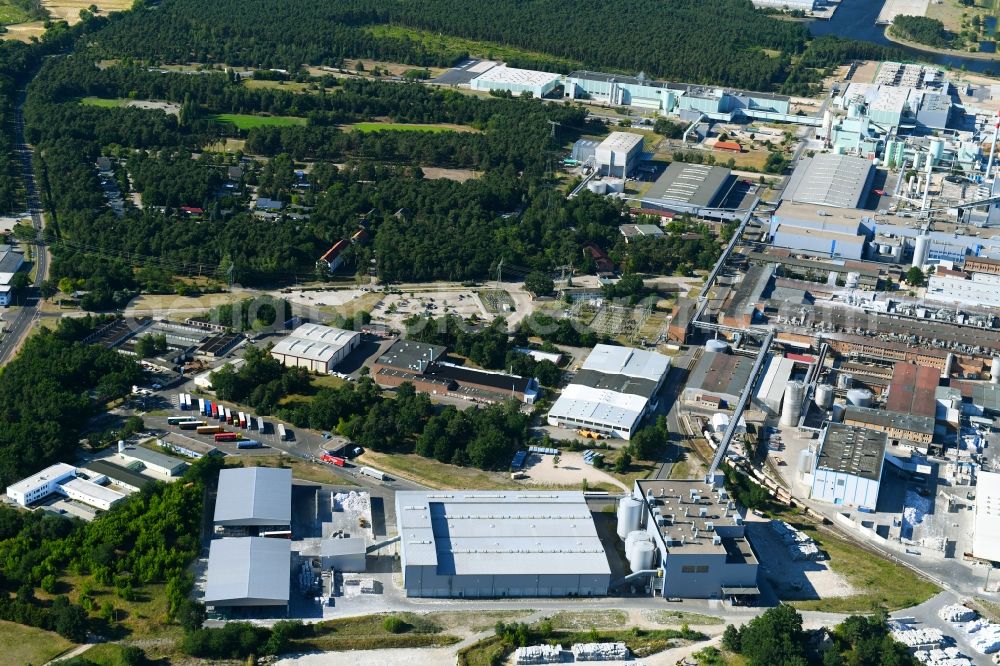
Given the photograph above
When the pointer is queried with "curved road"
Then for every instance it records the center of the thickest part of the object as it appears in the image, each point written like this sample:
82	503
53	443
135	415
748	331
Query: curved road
18	327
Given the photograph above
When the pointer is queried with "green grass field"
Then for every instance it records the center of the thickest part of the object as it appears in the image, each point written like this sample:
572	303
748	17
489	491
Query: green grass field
27	645
245	121
103	103
405	127
10	14
457	46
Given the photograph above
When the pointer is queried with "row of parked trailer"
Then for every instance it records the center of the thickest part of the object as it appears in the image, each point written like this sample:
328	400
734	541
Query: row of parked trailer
224	415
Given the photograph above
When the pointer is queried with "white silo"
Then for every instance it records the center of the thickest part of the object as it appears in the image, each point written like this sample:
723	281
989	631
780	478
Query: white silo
715	345
633	538
629	513
859	397
995	371
598	187
936	149
791	408
824	396
921	250
615	185
121	446
642	556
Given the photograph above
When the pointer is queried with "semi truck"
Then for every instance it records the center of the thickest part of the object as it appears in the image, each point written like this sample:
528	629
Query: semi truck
226	437
373	473
248	444
282	433
177	420
191	425
208	429
229	416
333	460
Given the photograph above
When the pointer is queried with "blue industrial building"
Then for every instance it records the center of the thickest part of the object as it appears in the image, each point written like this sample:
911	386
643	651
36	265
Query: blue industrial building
848	467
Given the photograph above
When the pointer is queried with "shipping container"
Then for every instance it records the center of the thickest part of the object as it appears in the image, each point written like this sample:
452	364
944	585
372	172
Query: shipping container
263	426
374	473
177	420
229	416
191	425
243	420
227	437
252	422
209	429
187	401
248	444
201	406
180	402
282	433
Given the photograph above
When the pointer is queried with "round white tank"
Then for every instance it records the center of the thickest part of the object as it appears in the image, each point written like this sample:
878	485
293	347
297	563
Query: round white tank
642	556
598	187
121	446
615	185
791	408
845	380
995	371
633	538
859	397
838	413
921	249
936	149
717	346
629	513
824	396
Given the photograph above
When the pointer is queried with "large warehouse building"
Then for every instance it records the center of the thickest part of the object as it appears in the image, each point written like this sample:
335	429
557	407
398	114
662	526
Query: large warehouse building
315	347
618	155
254	500
689	188
249	576
986	534
516	81
699	536
612	392
848	468
718	379
834	232
828	179
499	544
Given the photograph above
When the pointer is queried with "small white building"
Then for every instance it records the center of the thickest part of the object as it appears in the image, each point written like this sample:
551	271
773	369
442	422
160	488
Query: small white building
90	493
11	262
315	347
204	380
619	153
155	461
848	468
41	485
516	81
986	534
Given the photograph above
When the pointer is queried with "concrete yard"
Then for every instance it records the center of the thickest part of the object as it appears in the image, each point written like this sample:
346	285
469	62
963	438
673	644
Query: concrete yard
541	469
792	579
894	8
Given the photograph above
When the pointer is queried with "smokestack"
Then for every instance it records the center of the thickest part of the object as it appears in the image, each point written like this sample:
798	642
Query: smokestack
993	146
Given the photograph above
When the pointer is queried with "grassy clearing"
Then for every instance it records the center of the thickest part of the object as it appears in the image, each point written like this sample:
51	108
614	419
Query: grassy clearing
406	127
103	103
886	584
10	14
105	654
226	146
318	382
475	621
245	121
287	86
301	469
146	616
456	45
20	644
584	620
70	9
679	617
369	633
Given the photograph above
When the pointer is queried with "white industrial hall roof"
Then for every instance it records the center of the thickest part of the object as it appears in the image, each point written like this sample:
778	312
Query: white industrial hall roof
638	363
583	403
254	496
514	76
622	142
315	342
500	533
986	535
838	181
248	571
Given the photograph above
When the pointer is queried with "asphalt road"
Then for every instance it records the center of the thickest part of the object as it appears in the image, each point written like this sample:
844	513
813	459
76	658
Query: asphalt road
22	321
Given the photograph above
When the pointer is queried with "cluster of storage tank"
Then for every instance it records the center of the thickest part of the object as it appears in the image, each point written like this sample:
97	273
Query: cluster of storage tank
639	548
606	186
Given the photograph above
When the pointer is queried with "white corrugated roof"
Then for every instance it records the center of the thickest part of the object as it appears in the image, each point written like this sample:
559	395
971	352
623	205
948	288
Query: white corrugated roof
601	406
248	571
986	536
315	342
615	360
254	496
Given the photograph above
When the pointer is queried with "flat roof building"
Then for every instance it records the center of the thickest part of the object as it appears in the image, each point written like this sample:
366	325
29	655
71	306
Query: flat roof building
249	574
40	485
119	475
986	530
619	153
315	347
255	498
772	385
158	462
848	468
912	389
700	537
499	544
911	428
718	375
689	188
516	81
837	181
90	493
613	390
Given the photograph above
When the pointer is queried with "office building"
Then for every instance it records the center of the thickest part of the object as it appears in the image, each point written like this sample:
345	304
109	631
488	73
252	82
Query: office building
249	576
612	392
39	486
499	544
316	348
90	493
848	468
11	261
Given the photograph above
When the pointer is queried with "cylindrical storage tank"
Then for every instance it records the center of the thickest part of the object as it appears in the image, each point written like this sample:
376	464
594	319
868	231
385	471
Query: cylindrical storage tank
633	538
859	397
616	185
995	371
921	249
629	513
642	556
121	446
845	380
838	413
806	458
598	187
936	150
717	346
791	408
824	396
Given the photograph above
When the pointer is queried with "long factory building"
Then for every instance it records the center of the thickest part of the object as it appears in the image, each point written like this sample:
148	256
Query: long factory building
614	389
315	347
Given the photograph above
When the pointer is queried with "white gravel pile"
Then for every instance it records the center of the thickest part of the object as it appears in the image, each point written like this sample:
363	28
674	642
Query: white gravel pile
947	657
984	636
600	651
354	502
955	613
538	654
913	638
